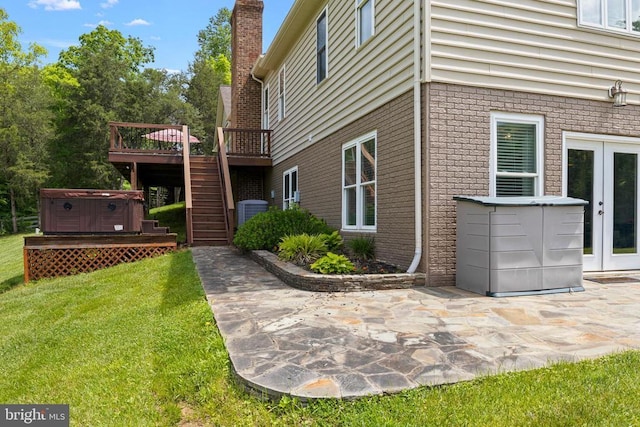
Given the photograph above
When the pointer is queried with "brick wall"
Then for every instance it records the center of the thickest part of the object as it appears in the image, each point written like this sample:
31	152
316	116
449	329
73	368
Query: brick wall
246	47
319	178
248	184
458	148
456	126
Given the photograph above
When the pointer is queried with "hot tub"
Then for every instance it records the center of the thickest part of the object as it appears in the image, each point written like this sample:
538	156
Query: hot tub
69	211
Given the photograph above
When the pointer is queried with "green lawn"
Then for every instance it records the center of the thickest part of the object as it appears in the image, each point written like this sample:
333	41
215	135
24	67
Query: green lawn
136	345
172	216
11	261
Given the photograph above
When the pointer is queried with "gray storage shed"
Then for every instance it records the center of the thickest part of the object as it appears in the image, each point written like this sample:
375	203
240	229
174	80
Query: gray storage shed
508	246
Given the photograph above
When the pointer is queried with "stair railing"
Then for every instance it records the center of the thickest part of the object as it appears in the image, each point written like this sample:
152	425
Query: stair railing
225	180
187	183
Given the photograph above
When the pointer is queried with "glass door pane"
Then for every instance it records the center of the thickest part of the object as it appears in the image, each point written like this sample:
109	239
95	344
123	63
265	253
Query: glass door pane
580	185
625	177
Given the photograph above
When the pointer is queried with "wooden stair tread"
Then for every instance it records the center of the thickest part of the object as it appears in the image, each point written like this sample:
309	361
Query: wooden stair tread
208	219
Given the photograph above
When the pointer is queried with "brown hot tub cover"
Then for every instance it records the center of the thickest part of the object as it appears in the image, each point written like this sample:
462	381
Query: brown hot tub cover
79	211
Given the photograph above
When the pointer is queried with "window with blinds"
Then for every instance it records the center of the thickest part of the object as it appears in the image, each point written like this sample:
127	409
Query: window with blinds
517	145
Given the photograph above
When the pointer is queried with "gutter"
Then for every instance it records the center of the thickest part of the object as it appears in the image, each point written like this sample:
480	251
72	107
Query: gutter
417	137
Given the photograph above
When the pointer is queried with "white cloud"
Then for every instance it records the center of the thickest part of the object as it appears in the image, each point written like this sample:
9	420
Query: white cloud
60	44
137	22
109	3
55	4
103	22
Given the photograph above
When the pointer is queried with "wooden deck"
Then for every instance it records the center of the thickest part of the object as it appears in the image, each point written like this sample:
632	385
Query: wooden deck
155	155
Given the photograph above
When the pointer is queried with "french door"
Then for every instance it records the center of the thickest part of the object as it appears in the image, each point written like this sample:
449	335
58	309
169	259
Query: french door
605	173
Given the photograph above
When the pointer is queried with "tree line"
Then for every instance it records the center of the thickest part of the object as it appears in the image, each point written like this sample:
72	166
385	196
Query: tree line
54	118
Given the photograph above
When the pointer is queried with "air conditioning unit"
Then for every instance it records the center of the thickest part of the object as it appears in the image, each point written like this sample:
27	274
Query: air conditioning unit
249	208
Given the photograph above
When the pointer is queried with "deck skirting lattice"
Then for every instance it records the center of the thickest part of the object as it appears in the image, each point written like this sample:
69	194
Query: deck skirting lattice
56	257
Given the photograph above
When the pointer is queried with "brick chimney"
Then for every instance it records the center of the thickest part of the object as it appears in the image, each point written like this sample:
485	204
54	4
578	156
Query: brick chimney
246	48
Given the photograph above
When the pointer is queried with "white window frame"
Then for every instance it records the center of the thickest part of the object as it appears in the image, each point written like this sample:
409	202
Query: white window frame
524	119
325	54
265	105
282	95
287	202
604	23
359	226
359	4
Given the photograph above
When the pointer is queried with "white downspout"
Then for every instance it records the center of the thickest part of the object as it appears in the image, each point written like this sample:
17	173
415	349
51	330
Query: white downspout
261	97
417	137
262	104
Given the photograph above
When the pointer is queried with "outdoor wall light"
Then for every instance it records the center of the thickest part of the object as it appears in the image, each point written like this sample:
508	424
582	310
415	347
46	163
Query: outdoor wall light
618	94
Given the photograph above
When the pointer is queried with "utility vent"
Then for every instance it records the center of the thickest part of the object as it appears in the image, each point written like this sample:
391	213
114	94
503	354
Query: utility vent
249	208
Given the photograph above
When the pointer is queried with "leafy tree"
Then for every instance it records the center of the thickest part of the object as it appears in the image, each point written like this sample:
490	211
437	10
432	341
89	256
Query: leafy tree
156	96
24	121
210	69
95	77
215	39
202	93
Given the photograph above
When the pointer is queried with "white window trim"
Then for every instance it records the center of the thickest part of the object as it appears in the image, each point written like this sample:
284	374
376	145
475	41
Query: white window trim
359	226
603	25
265	105
282	94
286	203
326	49
358	23
493	162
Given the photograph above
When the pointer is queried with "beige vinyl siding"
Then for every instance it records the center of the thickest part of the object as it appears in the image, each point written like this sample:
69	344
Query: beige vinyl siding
359	79
528	45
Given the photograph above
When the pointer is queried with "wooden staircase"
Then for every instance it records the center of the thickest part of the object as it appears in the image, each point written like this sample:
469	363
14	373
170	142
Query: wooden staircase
207	214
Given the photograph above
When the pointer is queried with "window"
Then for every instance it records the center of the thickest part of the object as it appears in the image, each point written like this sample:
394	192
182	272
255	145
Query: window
281	94
321	47
516	154
289	188
265	112
359	184
617	15
364	20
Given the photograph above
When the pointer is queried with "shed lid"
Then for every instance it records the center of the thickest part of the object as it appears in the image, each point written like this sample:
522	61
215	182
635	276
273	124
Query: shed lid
523	201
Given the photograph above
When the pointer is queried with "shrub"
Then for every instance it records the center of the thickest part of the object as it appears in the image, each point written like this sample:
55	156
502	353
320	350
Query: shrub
303	248
266	229
362	247
333	264
333	241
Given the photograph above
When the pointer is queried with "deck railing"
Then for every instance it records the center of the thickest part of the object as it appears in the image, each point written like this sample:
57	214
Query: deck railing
247	142
157	138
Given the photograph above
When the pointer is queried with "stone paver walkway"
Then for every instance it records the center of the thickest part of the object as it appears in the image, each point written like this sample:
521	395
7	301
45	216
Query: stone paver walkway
317	345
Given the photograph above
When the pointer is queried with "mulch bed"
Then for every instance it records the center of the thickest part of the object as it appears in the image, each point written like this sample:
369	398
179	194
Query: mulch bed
367	266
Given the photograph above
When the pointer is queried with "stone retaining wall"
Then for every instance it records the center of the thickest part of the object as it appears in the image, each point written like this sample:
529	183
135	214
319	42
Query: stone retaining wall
300	278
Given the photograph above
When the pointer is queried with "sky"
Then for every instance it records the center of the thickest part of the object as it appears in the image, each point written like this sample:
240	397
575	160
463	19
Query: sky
171	26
